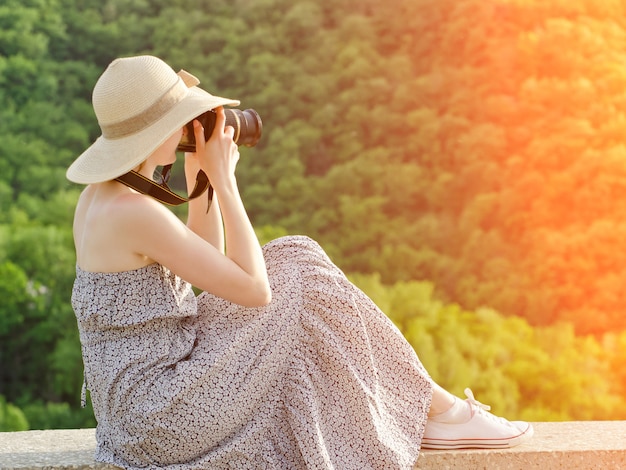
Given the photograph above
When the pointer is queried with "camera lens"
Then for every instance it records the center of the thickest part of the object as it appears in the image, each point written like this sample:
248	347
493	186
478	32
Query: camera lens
247	124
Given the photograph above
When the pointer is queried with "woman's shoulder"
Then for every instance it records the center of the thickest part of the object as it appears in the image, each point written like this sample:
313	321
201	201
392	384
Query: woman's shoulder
111	229
129	207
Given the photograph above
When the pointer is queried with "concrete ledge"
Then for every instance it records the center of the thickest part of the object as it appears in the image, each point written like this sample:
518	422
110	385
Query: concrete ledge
49	450
570	445
579	445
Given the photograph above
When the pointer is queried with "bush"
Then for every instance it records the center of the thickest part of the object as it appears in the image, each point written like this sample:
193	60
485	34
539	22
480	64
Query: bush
11	417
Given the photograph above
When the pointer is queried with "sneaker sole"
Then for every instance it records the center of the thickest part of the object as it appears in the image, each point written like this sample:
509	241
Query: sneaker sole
444	444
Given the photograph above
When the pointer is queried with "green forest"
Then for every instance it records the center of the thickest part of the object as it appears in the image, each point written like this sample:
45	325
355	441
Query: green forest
463	161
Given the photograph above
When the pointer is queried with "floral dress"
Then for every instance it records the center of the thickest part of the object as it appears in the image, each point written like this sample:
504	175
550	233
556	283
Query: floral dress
318	379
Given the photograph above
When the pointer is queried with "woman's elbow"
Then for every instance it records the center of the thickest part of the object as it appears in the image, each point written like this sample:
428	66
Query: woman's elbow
260	296
267	298
265	295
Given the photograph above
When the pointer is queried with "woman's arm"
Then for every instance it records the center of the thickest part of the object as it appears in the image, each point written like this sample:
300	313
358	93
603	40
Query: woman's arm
218	158
239	276
207	225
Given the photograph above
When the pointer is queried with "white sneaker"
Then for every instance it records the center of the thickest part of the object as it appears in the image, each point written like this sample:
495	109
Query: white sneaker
482	431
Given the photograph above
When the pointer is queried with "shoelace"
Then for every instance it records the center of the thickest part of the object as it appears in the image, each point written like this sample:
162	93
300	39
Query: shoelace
483	409
470	398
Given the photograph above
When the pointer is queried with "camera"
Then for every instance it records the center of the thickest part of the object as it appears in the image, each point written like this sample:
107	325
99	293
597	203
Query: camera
247	124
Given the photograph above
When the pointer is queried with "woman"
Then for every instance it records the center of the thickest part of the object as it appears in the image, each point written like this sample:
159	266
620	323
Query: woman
280	363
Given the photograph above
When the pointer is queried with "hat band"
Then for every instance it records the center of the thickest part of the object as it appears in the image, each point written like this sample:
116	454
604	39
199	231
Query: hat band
148	116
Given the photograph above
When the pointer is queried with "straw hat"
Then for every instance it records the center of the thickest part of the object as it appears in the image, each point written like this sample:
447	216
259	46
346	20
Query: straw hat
139	102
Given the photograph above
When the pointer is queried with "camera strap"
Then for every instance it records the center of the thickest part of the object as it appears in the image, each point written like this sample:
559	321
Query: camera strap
161	191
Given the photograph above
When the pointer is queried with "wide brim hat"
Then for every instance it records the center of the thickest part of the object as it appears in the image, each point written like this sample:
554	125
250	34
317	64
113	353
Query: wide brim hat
139	103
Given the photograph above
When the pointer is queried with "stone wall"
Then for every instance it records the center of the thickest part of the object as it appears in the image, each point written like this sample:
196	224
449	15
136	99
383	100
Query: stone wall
581	445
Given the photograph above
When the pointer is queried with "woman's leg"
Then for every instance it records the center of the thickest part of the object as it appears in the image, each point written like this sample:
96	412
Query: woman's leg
358	352
442	401
356	395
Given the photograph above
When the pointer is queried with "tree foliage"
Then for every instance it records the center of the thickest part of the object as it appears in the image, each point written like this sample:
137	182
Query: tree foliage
468	162
536	373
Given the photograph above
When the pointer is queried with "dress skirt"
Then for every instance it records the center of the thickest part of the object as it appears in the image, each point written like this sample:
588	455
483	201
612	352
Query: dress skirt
318	379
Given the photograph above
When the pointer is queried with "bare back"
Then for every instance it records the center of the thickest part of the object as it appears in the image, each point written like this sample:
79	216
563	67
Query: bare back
100	236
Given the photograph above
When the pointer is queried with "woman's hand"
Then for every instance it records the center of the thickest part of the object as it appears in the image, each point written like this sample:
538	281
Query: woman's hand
239	275
205	223
219	155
